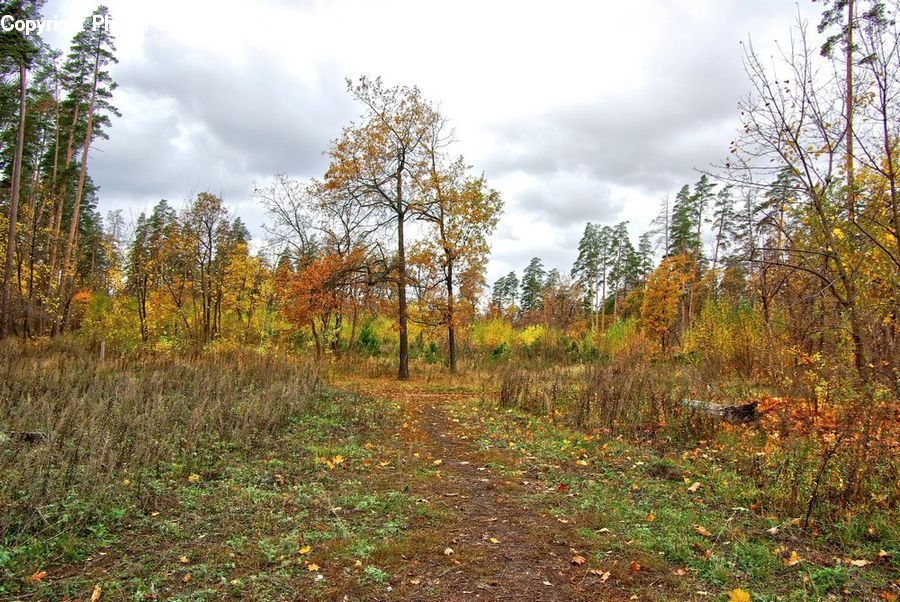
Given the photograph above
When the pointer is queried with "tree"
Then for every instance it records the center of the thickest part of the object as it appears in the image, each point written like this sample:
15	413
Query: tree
90	54
505	292
532	285
16	48
586	270
464	213
665	289
645	254
798	121
661	226
682	233
724	223
374	166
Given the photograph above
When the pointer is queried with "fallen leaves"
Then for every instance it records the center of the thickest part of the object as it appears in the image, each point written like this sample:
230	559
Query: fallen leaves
635	566
448	551
702	531
312	567
859	563
651	517
693	488
193	478
37	577
578	560
738	595
304	550
333	462
95	595
604	575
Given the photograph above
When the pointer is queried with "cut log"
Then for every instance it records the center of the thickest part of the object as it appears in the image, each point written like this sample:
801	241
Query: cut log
745	412
32	437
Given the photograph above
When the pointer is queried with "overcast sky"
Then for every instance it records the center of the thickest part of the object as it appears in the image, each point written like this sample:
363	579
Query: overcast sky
576	111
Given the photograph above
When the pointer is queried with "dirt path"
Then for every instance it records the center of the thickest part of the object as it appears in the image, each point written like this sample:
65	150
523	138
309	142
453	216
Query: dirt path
494	545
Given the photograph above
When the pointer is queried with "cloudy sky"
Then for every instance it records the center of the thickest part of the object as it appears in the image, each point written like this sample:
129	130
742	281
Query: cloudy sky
576	111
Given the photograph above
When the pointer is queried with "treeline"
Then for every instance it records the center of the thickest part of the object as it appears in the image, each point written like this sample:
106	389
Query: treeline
792	241
52	108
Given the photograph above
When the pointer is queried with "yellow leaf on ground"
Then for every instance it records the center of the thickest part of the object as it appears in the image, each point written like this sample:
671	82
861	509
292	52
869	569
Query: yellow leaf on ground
578	560
738	595
581	462
438	462
194	478
305	550
651	517
183	559
859	563
693	488
339	459
793	559
186	578
95	596
312	567
702	531
494	540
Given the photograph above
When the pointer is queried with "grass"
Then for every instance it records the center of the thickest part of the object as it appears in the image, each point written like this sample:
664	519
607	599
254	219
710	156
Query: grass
629	497
219	496
237	475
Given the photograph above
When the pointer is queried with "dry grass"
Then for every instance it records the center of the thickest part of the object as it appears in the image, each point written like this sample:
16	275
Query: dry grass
121	421
808	460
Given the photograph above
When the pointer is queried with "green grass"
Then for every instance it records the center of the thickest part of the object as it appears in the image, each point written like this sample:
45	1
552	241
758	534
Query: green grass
238	529
634	498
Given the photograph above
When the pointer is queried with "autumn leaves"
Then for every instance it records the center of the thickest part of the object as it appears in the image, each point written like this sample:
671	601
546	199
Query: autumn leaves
350	246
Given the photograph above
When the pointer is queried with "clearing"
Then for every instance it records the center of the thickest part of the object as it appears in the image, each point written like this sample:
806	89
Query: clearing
423	490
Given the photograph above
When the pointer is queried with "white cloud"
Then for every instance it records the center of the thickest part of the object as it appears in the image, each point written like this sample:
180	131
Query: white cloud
577	111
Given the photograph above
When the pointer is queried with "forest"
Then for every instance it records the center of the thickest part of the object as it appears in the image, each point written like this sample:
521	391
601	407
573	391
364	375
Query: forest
343	407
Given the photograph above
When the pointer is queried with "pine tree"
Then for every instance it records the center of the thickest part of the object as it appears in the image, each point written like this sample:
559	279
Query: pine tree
681	226
90	84
15	49
505	291
645	254
586	270
532	283
724	222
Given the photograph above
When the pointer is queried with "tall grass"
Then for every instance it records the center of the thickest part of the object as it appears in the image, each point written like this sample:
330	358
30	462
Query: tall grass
107	424
827	458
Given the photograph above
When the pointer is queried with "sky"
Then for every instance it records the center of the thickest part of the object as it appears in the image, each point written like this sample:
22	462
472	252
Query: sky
574	111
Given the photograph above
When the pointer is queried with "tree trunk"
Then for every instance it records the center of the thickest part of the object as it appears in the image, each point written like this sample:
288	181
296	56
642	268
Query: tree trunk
403	370
68	259
451	319
59	199
5	309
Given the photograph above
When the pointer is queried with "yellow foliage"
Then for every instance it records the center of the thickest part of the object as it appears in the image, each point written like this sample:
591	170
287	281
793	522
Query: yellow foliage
532	335
492	333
